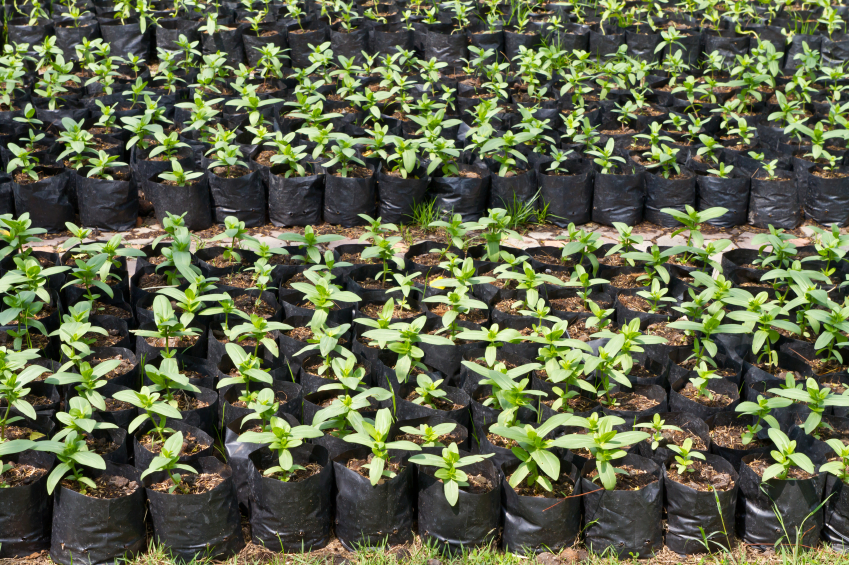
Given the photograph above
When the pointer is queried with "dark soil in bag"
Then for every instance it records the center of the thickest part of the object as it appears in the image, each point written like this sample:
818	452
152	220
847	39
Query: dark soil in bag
198	443
625	522
795	499
26	510
191	526
100	530
473	521
296	515
541	522
692	427
686	399
373	515
689	507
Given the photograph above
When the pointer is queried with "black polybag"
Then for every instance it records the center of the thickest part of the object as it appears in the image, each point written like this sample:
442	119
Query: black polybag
169	30
192	199
127	38
142	456
836	514
294	201
446	47
504	191
730	193
626	522
775	202
467	196
292	516
729	45
47	201
349	44
242	197
827	200
68	37
7	195
668	193
642	45
688	509
539	523
228	42
397	196
92	531
686	422
372	515
347	197
619	197
300	38
386	38
26	511
111	205
191	526
569	197
601	45
796	500
472	522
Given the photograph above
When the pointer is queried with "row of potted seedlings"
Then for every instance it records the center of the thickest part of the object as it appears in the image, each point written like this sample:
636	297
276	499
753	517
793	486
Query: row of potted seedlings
463	388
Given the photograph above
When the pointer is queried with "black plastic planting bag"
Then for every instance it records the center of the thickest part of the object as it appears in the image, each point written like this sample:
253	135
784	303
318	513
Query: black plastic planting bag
729	45
834	52
47	201
731	193
228	42
313	33
92	531
397	196
464	195
193	199
446	47
569	197
688	509
21	32
373	515
385	39
642	45
192	526
142	456
827	200
347	197
7	195
169	30
536	523
602	45
108	204
349	44
775	202
26	511
243	197
619	198
504	191
127	37
485	39
254	43
68	37
294	201
626	522
836	513
473	521
796	501
668	193
797	47
292	516
513	40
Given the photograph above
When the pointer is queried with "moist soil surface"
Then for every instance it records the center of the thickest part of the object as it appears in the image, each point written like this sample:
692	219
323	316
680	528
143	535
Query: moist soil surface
100	445
673	336
478	484
426	259
626	280
576	404
191	444
578	330
437	403
730	437
113	405
247	303
357	465
474	316
108	487
300	475
186	402
560	489
677	437
36	401
125	367
444	439
633	402
640	304
102	309
300	334
196	484
375	310
20	432
760	465
176	342
701	476
279	396
715	401
634	480
21	475
112	337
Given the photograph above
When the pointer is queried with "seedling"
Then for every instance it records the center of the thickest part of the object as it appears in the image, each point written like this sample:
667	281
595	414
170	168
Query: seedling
448	469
